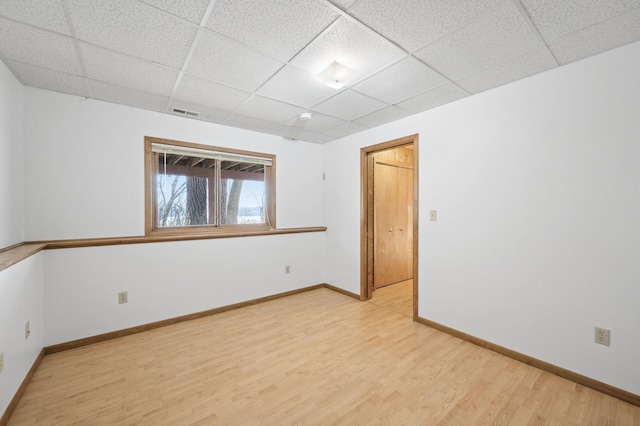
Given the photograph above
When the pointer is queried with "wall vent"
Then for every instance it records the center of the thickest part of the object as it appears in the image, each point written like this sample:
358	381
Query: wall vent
186	112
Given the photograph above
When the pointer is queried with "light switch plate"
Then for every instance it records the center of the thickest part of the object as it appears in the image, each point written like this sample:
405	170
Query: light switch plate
433	215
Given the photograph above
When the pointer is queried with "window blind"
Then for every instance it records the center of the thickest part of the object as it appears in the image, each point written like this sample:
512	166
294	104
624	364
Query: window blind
205	153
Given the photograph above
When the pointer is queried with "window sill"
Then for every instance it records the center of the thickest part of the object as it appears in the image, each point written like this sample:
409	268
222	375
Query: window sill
201	231
168	237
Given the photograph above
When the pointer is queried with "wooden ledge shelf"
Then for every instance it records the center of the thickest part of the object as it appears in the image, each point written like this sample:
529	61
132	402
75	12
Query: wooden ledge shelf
96	242
14	254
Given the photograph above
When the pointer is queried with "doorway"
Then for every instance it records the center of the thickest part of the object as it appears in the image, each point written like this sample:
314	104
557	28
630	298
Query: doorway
389	217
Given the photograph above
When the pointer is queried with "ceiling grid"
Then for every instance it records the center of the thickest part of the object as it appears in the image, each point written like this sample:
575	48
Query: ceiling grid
254	64
203	23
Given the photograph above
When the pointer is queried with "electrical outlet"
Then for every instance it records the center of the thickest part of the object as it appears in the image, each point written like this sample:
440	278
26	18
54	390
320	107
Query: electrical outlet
123	297
287	269
602	336
27	330
1	361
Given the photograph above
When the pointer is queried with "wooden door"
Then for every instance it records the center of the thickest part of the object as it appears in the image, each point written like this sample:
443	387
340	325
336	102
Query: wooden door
385	184
393	233
404	237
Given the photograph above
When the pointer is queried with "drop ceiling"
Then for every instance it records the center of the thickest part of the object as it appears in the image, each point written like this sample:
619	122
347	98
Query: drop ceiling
253	64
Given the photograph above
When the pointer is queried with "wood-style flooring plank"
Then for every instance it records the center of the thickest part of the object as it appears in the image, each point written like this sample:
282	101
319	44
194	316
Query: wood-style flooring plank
317	357
396	297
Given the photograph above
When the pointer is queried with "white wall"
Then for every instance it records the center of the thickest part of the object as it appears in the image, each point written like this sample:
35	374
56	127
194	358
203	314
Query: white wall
166	280
85	168
536	185
537	188
11	159
21	300
85	179
21	285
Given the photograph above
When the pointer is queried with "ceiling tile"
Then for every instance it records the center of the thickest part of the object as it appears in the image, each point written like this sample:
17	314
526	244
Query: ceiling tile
433	98
524	66
598	38
192	10
51	80
296	86
255	63
557	19
249	123
206	113
288	132
413	24
38	47
349	105
300	134
400	81
382	116
211	94
225	61
352	46
134	28
496	37
318	123
346	130
47	14
123	96
279	28
314	137
122	70
344	4
269	110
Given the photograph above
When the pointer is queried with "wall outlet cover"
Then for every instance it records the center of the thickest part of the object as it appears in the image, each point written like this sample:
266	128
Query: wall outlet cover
602	336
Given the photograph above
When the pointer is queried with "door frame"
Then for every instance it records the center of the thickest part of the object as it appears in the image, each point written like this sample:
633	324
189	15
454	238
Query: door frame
366	215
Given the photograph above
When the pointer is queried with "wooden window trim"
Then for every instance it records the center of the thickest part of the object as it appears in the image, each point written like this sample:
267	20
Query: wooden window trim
150	169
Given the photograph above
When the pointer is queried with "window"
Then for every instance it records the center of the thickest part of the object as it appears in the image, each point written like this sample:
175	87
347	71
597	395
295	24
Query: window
192	188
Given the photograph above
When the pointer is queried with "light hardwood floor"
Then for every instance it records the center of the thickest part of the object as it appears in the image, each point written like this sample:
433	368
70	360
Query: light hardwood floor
396	297
314	358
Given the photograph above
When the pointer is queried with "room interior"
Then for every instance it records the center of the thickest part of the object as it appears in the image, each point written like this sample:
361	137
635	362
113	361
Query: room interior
526	114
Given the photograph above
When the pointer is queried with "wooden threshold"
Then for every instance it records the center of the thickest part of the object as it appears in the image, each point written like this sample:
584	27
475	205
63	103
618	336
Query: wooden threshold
23	387
606	389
